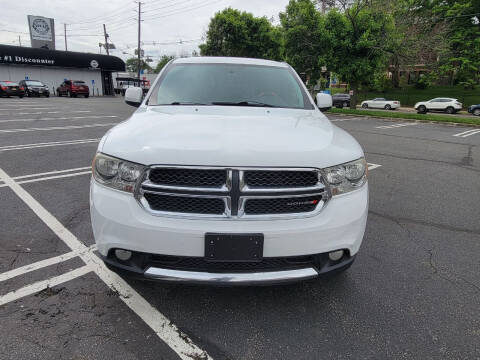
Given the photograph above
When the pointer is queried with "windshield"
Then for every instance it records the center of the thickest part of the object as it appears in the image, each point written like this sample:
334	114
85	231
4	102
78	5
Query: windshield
34	83
8	83
79	83
229	84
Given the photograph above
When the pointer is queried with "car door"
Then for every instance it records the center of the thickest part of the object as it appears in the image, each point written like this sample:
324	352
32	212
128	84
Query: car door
379	103
435	104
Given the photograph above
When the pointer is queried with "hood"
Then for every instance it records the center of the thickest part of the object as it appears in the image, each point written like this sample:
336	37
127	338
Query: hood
230	136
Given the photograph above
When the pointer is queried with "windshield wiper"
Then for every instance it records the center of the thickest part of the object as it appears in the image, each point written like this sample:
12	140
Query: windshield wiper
184	103
242	103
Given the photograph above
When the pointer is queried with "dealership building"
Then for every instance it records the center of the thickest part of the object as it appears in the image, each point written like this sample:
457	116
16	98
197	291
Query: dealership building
52	67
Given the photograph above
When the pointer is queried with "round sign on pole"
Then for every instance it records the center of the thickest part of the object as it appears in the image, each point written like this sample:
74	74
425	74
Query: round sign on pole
350	93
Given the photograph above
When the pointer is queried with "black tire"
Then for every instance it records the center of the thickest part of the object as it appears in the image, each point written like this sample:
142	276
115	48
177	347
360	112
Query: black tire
20	96
422	109
450	110
345	104
69	93
365	106
59	93
388	107
47	95
476	112
87	95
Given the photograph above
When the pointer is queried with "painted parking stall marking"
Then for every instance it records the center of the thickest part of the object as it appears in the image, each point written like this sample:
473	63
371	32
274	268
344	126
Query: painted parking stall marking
395	125
162	326
52	128
47	144
60	118
468	133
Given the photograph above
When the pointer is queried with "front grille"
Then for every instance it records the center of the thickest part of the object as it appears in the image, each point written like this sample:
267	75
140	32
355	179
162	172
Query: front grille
183	204
188	177
267	264
232	192
292	205
280	178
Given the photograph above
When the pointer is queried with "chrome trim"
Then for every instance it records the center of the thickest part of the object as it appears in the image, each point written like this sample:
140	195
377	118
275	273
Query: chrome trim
230	278
245	188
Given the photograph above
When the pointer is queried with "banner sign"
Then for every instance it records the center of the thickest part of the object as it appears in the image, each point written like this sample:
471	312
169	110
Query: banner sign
42	32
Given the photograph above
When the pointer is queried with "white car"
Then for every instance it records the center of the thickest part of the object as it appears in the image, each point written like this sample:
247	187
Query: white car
449	105
228	174
381	103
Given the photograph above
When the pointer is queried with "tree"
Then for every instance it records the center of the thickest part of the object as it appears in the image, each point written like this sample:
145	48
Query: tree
132	65
163	61
359	39
235	33
302	27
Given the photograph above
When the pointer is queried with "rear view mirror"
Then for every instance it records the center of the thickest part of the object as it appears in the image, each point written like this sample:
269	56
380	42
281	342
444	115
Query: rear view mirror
134	96
324	101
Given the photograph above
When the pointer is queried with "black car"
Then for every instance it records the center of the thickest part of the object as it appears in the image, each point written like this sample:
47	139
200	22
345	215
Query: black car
9	88
474	109
35	88
341	100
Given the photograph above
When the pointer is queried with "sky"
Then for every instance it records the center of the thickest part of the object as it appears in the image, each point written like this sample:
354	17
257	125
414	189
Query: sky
166	23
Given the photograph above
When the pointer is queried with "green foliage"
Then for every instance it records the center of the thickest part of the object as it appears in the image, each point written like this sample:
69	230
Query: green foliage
163	61
235	33
132	65
303	29
409	116
359	41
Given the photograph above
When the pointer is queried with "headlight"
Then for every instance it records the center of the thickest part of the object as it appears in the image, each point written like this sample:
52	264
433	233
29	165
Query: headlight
346	177
116	173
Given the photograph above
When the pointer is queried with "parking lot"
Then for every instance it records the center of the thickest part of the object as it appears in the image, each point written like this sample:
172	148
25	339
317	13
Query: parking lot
413	291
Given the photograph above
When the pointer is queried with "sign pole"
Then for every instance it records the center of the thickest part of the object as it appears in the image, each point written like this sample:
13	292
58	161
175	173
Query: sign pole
65	33
106	38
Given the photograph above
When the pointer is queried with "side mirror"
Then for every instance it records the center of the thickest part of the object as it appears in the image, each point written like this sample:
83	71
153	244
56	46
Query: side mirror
324	101
134	96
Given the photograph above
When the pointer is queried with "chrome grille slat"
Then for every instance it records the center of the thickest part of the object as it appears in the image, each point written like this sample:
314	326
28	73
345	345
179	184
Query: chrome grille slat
267	198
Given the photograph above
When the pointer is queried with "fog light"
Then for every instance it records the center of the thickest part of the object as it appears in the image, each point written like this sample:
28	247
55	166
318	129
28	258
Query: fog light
123	255
335	255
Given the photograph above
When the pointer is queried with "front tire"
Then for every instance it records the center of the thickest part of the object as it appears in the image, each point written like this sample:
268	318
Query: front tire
365	106
345	104
86	96
422	109
388	107
450	110
476	112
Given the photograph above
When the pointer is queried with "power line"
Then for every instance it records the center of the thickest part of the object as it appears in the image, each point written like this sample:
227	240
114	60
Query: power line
180	11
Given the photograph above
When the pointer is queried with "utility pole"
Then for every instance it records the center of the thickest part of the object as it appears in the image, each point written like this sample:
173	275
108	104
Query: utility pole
138	47
19	41
65	34
106	38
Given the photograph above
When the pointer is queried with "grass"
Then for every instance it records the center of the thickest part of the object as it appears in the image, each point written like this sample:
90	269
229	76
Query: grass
409	95
409	116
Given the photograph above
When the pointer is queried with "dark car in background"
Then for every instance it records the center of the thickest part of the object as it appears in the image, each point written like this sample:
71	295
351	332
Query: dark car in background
341	100
10	88
474	109
35	88
73	88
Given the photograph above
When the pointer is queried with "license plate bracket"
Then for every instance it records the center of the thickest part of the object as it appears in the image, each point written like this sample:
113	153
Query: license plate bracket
233	247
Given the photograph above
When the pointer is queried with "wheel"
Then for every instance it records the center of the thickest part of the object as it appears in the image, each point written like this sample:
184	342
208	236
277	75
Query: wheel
450	110
365	106
47	95
387	107
20	96
476	112
422	109
69	93
59	93
345	104
86	96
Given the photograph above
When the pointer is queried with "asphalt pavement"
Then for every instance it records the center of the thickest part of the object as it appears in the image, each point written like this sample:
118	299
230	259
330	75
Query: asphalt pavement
412	293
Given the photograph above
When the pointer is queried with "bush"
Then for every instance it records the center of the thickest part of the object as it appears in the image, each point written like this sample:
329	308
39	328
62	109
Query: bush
468	84
423	83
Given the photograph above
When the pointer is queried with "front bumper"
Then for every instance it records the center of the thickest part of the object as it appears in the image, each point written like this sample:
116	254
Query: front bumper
119	222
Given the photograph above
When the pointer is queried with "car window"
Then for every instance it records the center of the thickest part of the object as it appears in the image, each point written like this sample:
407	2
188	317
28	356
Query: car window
34	83
10	83
229	84
79	83
435	100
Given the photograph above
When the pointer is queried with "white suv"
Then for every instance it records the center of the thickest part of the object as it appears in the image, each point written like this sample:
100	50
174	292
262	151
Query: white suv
450	106
228	174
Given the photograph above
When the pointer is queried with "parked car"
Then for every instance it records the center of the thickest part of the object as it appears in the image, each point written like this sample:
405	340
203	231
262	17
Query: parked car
10	88
35	88
381	103
341	100
73	88
228	174
448	105
474	109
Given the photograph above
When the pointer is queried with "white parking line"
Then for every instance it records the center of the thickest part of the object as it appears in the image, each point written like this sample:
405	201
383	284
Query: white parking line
50	112
48	144
41	264
44	284
60	118
30	108
53	128
373	166
162	326
395	125
37	179
468	133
